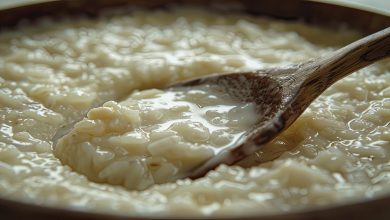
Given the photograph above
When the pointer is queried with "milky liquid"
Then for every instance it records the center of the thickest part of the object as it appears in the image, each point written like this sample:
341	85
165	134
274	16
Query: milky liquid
155	136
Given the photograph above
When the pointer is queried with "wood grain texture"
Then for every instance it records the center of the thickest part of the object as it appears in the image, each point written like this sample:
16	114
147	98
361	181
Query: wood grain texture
282	95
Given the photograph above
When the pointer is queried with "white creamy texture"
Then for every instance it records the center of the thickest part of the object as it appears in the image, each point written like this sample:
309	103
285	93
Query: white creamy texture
155	136
53	71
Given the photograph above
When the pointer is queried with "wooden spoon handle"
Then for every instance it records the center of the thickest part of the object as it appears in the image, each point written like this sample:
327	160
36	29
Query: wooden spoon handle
348	59
316	76
309	80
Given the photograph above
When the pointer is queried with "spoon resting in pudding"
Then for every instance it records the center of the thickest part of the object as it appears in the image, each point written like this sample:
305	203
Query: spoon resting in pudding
191	127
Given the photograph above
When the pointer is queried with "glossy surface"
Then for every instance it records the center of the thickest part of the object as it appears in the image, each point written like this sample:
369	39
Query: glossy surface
155	136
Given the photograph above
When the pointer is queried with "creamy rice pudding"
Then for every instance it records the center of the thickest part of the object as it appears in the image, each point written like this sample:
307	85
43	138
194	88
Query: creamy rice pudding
52	73
155	136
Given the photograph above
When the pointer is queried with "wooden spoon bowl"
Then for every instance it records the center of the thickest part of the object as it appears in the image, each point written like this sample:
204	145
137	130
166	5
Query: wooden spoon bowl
281	95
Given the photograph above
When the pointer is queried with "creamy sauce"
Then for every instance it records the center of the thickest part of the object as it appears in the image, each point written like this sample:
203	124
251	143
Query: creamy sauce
155	136
52	72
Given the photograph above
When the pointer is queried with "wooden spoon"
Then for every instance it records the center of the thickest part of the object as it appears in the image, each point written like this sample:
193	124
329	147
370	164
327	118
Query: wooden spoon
281	95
